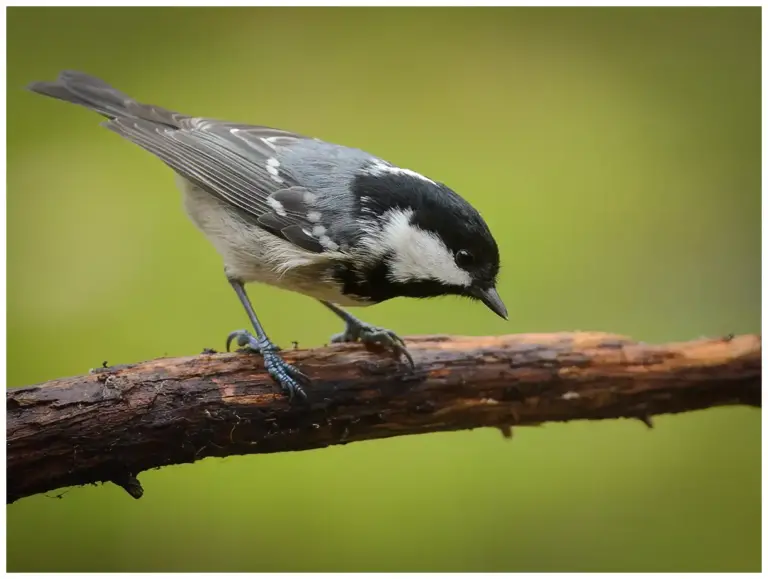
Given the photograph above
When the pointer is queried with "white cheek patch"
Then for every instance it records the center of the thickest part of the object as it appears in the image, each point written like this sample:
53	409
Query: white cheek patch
380	167
416	254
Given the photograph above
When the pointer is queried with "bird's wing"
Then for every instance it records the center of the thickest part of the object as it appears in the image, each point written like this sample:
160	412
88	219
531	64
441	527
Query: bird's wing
238	165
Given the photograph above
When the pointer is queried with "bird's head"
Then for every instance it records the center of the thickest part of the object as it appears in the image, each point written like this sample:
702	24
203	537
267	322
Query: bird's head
425	240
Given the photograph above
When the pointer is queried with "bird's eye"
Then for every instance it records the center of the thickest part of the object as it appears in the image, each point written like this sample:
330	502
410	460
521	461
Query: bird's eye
464	258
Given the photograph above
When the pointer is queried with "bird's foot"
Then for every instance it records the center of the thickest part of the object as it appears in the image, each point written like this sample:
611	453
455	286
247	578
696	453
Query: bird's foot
374	336
288	376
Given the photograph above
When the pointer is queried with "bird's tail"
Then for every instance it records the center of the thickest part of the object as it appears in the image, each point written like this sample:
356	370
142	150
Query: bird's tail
95	94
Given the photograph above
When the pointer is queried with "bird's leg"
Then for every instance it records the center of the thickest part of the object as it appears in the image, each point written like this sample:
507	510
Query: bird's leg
285	374
368	334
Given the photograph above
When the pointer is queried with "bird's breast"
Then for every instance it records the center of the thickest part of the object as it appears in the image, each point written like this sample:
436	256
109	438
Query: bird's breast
251	254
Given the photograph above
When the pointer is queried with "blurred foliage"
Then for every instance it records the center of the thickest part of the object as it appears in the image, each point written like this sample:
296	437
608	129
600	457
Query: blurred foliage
616	156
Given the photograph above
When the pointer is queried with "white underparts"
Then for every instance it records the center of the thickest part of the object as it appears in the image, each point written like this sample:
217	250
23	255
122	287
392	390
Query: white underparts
416	254
253	254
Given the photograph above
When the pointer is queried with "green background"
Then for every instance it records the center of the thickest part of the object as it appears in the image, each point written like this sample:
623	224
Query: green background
616	156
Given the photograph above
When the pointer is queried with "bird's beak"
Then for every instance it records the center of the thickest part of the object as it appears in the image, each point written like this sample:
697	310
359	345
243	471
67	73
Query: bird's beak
490	297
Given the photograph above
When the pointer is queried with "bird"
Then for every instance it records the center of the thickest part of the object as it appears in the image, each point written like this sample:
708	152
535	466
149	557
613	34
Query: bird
332	222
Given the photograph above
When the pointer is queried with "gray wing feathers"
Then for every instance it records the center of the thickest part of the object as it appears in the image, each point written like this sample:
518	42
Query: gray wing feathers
217	173
243	184
94	94
255	143
236	163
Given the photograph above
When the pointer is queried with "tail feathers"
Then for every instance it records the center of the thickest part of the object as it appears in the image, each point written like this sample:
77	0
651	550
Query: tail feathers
95	94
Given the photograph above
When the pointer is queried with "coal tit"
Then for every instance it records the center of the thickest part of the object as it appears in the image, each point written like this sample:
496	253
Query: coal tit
331	222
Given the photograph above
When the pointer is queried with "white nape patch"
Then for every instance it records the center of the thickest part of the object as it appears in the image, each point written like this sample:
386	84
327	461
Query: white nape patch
309	198
416	254
272	162
314	216
380	167
234	130
277	206
571	395
318	230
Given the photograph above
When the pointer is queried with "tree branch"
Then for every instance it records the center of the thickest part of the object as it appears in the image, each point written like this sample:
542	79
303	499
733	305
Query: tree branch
116	422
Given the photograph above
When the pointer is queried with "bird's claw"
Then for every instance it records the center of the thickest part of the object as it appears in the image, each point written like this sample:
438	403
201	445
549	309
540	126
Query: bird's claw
247	341
287	375
373	335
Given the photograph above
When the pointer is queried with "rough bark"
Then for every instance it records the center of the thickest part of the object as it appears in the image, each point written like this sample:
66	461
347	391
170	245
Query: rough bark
115	422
